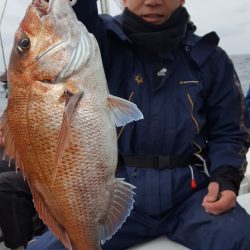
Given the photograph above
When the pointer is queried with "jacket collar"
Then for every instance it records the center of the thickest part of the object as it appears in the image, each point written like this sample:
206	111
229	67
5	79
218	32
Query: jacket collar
198	47
115	27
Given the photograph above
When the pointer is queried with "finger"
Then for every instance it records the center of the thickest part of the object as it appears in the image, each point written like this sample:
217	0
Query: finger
217	209
226	203
213	192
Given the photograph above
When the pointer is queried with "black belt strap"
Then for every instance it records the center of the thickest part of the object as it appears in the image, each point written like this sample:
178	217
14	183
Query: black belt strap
157	161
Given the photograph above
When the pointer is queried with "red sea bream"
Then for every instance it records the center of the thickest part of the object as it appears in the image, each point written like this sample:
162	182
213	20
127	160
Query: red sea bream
60	126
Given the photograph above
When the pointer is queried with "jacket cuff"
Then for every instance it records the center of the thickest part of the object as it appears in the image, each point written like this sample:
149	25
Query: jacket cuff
228	178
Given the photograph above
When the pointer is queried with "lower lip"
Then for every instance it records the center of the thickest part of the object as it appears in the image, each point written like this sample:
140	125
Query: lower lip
155	20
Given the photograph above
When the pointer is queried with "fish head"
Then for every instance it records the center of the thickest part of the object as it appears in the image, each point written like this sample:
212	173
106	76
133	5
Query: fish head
50	45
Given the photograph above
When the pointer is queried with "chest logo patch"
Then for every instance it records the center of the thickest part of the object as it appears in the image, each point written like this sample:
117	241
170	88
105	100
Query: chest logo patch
138	78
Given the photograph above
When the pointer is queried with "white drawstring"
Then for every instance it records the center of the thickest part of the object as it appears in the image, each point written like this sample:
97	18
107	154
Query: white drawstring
192	172
205	169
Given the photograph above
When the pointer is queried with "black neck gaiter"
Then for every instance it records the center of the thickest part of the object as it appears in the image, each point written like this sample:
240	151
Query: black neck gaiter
156	38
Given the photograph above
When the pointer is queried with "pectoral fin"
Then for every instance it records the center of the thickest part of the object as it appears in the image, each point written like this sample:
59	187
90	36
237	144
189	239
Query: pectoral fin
71	103
123	111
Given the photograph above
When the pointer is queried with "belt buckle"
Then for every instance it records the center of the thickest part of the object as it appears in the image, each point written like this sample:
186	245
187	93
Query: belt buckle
161	162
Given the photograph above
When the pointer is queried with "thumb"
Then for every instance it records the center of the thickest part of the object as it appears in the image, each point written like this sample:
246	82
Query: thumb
213	192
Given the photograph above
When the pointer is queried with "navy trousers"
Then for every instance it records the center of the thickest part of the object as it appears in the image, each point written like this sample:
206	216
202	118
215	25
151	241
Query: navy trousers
18	218
16	207
187	224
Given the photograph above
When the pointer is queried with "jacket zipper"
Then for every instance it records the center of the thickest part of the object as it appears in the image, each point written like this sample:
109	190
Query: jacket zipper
192	112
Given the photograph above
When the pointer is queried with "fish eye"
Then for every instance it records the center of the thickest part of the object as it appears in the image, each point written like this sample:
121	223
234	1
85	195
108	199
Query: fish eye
23	45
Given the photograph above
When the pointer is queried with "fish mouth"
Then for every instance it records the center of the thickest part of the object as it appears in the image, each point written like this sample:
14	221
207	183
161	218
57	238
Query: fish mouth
44	7
80	53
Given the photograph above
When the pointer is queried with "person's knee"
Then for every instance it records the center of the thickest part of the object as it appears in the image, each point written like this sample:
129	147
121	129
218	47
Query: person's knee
235	236
15	219
241	235
46	241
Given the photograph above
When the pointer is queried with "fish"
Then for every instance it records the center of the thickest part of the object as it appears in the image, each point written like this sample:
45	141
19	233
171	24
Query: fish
60	127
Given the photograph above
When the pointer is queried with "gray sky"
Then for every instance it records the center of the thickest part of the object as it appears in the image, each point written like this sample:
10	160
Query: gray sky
230	20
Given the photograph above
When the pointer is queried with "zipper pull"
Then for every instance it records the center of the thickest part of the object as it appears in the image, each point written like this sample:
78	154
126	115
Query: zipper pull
193	184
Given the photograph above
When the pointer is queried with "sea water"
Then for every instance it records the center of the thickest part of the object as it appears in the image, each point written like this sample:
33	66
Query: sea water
242	66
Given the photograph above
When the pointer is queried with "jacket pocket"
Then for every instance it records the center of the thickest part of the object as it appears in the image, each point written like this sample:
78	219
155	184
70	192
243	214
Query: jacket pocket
189	82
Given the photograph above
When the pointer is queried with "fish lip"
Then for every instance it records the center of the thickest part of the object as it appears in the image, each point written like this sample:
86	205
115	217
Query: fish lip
43	7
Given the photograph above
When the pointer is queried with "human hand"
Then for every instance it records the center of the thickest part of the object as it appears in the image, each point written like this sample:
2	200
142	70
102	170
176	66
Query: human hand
216	202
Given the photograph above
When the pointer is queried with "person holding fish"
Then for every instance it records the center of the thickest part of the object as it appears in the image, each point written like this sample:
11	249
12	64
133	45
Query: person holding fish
186	158
60	127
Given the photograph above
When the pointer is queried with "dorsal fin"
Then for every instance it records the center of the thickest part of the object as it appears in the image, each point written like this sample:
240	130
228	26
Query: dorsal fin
120	209
123	111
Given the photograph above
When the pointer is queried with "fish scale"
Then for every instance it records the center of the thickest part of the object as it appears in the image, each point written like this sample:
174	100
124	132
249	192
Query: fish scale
61	123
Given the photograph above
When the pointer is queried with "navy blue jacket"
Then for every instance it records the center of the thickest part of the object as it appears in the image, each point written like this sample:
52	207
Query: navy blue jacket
197	105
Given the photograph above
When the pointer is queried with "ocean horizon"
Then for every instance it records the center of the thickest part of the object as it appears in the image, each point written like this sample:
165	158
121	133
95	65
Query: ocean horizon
242	65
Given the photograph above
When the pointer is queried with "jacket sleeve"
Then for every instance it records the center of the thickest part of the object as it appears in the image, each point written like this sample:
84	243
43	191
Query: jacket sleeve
87	12
227	134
